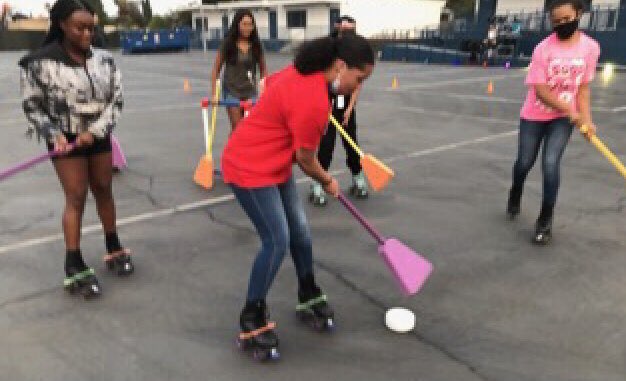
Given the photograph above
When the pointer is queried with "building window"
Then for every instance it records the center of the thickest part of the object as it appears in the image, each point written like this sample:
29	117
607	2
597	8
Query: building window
296	19
202	24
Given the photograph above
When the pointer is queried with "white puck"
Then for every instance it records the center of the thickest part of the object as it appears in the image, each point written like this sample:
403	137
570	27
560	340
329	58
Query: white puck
400	320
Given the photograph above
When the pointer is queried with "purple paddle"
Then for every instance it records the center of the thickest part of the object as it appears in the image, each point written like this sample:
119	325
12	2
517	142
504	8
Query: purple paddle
29	163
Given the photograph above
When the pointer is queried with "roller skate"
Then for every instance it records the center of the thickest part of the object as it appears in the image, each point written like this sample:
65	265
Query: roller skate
543	227
359	186
513	205
318	196
83	282
120	262
313	308
257	334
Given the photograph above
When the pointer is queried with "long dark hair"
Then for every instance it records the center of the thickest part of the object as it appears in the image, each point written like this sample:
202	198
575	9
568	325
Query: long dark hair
229	47
578	5
319	54
61	11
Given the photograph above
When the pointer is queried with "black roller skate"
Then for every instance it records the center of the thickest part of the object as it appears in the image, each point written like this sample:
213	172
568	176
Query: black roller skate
359	186
120	262
513	206
543	227
257	334
318	196
313	308
84	283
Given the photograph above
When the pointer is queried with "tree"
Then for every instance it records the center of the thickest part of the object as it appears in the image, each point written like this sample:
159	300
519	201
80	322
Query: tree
184	18
160	22
99	9
170	20
462	8
146	9
6	12
129	14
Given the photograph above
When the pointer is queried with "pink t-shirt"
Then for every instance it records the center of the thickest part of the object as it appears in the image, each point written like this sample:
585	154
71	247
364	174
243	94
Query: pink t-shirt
564	68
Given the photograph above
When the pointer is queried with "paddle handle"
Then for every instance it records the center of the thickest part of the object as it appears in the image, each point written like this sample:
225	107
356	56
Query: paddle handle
29	163
209	143
246	105
361	218
346	136
610	156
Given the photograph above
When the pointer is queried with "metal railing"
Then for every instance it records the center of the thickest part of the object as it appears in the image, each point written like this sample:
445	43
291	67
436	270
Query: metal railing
443	30
599	18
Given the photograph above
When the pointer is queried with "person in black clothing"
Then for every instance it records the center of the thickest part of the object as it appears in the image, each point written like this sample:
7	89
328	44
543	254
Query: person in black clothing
345	113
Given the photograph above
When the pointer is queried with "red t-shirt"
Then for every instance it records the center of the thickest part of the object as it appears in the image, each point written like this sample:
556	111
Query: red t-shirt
292	113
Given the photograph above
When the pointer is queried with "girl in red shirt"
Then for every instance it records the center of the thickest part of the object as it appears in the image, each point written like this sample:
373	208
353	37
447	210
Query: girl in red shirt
285	127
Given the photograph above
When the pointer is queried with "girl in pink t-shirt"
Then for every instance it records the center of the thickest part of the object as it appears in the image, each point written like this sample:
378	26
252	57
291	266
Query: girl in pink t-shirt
562	68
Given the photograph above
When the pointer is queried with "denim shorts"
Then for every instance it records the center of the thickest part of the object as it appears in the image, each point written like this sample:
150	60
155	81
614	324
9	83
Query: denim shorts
227	96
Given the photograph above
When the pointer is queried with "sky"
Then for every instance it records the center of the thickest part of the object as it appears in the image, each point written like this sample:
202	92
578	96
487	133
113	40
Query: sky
37	6
372	15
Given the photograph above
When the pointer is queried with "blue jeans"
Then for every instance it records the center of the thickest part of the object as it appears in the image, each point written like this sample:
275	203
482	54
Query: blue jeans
279	218
555	135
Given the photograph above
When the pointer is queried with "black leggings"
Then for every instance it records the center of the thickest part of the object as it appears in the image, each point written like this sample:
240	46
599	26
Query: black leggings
327	145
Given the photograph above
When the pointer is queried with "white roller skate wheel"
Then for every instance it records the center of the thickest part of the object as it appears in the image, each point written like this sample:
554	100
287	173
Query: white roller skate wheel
400	320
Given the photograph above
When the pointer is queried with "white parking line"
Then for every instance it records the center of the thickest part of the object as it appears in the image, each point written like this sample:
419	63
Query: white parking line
619	109
226	198
432	85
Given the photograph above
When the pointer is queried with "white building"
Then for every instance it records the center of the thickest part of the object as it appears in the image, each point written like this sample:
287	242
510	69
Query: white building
296	20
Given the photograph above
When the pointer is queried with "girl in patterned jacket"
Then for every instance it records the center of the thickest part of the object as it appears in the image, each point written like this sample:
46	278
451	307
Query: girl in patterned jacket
72	98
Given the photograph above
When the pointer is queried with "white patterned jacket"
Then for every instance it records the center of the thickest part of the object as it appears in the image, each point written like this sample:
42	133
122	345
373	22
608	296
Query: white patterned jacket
62	96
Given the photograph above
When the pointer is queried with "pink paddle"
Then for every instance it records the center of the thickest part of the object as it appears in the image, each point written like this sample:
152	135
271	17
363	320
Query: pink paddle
119	160
409	268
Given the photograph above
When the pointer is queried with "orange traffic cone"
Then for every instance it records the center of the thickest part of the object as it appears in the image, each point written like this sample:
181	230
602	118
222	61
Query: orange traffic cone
394	83
186	86
490	88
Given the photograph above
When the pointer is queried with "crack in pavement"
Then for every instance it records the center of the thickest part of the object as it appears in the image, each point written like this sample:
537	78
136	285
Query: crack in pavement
28	297
383	307
227	224
26	225
371	299
603	211
146	193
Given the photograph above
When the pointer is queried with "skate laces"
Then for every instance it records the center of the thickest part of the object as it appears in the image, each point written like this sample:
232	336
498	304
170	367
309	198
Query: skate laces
318	190
123	255
312	302
78	277
248	335
359	181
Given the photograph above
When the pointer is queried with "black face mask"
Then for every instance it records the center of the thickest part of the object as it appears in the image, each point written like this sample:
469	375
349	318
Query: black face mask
566	30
